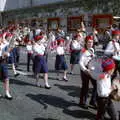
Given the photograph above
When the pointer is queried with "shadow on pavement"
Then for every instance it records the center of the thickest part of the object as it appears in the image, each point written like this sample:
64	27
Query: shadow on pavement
44	119
20	82
82	114
51	100
58	102
54	71
73	91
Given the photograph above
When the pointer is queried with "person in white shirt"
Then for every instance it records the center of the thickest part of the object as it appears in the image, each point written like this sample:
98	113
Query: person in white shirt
12	57
31	35
40	65
113	46
52	39
4	69
60	33
75	48
17	52
113	49
60	63
85	57
29	48
37	31
104	88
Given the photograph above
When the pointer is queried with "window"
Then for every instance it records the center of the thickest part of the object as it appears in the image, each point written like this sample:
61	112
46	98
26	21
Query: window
53	23
73	23
100	22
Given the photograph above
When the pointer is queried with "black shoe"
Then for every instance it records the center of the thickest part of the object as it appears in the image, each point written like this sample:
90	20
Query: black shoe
58	78
16	74
93	105
85	106
47	87
71	73
65	79
9	98
16	66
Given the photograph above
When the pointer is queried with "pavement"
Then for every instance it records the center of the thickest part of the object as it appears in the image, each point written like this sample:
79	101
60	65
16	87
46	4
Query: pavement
37	103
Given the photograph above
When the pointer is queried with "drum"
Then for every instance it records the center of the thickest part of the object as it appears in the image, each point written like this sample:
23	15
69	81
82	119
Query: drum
115	94
95	67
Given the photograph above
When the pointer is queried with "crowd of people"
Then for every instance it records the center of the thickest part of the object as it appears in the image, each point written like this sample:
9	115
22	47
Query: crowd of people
82	48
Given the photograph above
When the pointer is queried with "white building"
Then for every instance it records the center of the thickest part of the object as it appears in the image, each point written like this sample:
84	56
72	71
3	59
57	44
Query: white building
54	13
11	5
6	5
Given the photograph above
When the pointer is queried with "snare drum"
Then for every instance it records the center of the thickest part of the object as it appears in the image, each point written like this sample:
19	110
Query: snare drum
95	66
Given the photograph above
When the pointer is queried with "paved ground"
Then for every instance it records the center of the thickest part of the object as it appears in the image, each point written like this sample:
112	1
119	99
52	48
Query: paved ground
33	103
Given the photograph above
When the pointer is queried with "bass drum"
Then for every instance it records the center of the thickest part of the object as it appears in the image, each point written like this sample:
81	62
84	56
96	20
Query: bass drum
95	66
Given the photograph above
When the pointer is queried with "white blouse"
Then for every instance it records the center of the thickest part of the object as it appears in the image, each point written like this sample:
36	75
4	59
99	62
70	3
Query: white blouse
39	49
104	86
111	48
75	45
85	58
60	50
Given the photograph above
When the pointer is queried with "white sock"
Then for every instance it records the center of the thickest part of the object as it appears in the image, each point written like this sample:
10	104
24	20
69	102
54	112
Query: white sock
8	93
47	84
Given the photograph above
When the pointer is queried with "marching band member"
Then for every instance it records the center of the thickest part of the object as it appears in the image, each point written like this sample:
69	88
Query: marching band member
12	57
60	63
37	31
86	56
60	33
113	46
31	34
29	48
52	40
95	35
75	48
17	52
113	49
104	89
107	36
45	42
4	69
40	65
82	33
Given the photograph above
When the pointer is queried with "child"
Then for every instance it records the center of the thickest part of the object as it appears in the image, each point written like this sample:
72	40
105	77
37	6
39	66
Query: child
104	90
86	56
113	49
39	64
29	48
75	48
60	63
4	70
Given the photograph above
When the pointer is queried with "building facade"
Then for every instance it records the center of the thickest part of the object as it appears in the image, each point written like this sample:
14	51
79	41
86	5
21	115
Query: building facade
64	13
